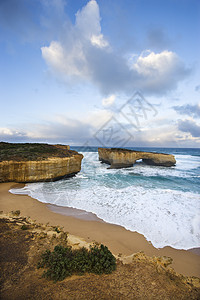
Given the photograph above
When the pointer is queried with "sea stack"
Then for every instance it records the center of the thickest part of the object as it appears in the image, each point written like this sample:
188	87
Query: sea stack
34	162
124	158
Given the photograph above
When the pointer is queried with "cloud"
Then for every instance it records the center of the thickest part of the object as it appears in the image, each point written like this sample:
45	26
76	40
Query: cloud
97	118
83	53
99	41
108	101
190	127
98	128
159	71
190	110
69	56
60	132
157	136
52	132
7	134
64	129
60	129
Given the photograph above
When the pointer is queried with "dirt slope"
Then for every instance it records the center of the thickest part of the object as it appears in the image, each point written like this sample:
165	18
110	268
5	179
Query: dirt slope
20	278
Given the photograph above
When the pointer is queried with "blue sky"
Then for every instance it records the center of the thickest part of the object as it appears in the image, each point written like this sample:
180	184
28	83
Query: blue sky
70	71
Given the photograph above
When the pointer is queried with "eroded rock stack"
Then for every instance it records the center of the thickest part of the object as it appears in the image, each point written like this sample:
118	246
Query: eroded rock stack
123	158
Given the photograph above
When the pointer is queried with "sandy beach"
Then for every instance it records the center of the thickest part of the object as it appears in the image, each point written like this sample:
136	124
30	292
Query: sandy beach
90	228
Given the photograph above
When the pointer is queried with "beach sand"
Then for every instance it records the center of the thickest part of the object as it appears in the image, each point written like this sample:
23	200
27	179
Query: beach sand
90	228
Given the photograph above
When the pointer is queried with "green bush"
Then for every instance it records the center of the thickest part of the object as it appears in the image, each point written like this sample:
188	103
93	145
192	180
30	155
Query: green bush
102	260
57	229
24	227
63	262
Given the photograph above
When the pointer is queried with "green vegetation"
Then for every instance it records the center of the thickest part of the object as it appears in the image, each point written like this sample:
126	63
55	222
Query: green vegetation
24	227
57	229
63	262
32	151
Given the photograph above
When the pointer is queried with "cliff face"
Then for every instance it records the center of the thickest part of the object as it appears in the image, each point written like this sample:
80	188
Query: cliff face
45	169
122	158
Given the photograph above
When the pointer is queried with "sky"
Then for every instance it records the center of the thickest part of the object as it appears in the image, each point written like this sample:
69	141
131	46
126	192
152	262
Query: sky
103	73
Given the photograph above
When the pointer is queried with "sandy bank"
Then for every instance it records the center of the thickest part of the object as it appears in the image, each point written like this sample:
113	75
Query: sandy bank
89	227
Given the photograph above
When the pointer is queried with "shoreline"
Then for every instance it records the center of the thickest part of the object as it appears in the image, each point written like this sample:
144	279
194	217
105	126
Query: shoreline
81	214
89	227
74	212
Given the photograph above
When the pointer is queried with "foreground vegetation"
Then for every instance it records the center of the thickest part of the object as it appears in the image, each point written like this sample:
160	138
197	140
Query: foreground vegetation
32	151
23	241
64	261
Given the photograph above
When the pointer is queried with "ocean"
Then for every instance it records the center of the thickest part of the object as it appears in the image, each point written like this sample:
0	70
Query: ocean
161	203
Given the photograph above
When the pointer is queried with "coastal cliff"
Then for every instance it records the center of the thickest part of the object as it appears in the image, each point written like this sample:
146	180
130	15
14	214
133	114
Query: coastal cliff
123	158
37	162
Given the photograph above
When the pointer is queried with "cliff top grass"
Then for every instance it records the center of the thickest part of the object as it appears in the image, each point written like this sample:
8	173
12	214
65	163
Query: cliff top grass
32	151
129	150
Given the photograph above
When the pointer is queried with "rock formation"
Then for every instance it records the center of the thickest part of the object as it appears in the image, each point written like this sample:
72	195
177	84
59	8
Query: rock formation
123	158
37	162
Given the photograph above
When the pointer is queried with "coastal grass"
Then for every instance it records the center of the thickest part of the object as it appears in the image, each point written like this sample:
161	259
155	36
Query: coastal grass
32	151
64	261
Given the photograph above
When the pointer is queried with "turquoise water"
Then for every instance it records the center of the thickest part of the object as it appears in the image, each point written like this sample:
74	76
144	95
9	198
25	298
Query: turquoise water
161	203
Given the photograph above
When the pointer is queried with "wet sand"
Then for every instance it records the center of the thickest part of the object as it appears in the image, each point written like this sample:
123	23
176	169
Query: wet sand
91	228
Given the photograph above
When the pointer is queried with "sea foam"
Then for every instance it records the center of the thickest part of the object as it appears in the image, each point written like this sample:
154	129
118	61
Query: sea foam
157	202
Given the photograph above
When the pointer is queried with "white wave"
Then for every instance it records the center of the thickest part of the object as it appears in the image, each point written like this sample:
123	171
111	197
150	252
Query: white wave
187	162
184	164
148	171
164	217
79	175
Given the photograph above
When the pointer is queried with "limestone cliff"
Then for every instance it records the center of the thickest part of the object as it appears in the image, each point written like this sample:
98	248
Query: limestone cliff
44	163
122	158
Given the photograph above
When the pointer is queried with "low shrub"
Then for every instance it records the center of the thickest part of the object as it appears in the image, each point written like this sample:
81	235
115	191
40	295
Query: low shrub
24	227
102	260
57	229
64	261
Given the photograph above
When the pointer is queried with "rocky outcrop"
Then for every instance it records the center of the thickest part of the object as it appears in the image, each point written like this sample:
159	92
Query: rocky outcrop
123	158
59	164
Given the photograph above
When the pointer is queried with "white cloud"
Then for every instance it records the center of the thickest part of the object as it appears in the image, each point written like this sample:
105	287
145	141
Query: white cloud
156	64
88	20
6	131
159	69
99	41
60	129
84	53
54	54
95	119
8	134
68	57
67	63
108	101
159	135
